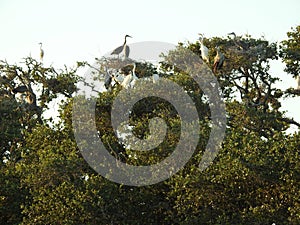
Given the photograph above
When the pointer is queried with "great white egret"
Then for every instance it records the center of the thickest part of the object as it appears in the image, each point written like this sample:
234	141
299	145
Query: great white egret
155	77
129	78
204	50
123	48
218	60
41	51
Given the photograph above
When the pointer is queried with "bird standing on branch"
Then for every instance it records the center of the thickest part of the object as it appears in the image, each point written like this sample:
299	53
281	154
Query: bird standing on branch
218	60
123	48
129	78
238	42
41	52
203	49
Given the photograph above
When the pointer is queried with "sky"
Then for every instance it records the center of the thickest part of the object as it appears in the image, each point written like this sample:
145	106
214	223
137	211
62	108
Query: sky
82	30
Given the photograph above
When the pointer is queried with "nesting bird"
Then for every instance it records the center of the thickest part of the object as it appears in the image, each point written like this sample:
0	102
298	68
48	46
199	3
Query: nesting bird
123	48
218	60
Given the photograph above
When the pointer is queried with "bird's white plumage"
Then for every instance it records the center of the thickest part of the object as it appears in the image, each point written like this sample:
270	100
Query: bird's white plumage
127	80
204	50
155	77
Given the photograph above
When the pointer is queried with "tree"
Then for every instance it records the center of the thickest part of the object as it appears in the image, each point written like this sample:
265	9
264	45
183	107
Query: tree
289	52
253	180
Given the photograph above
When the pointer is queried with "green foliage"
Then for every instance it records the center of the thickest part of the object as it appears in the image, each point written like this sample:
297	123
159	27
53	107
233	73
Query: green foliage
254	179
290	52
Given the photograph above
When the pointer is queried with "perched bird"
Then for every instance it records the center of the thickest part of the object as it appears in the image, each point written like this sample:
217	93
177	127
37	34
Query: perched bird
129	78
107	80
155	77
41	52
20	89
123	48
203	49
238	42
218	60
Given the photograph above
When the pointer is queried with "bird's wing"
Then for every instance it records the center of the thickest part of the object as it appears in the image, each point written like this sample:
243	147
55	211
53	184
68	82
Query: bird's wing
118	50
20	89
127	51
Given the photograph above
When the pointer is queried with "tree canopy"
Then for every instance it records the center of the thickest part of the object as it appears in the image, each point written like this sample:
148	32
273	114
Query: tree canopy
254	179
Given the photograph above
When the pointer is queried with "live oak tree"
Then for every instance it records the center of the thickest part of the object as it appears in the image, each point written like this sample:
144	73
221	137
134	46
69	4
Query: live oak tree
254	179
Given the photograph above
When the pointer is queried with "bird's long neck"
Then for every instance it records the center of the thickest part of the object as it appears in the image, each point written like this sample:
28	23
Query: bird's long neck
125	41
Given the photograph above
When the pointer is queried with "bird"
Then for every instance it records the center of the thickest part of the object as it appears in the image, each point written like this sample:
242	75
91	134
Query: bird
203	49
107	80
129	78
20	89
123	48
155	77
218	60
41	52
238	42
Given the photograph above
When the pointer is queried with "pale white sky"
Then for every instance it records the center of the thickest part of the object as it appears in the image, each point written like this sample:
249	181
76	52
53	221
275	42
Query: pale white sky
82	30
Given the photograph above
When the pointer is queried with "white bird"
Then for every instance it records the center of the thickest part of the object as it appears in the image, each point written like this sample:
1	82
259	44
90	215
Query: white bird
41	52
123	48
204	50
155	77
218	60
131	77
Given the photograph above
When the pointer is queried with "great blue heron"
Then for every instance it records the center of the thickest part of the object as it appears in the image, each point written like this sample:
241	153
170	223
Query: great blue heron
238	42
107	80
41	51
203	49
218	60
123	48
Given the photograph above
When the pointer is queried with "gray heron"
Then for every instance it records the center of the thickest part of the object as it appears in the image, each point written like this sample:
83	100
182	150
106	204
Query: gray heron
41	51
218	60
203	49
123	48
